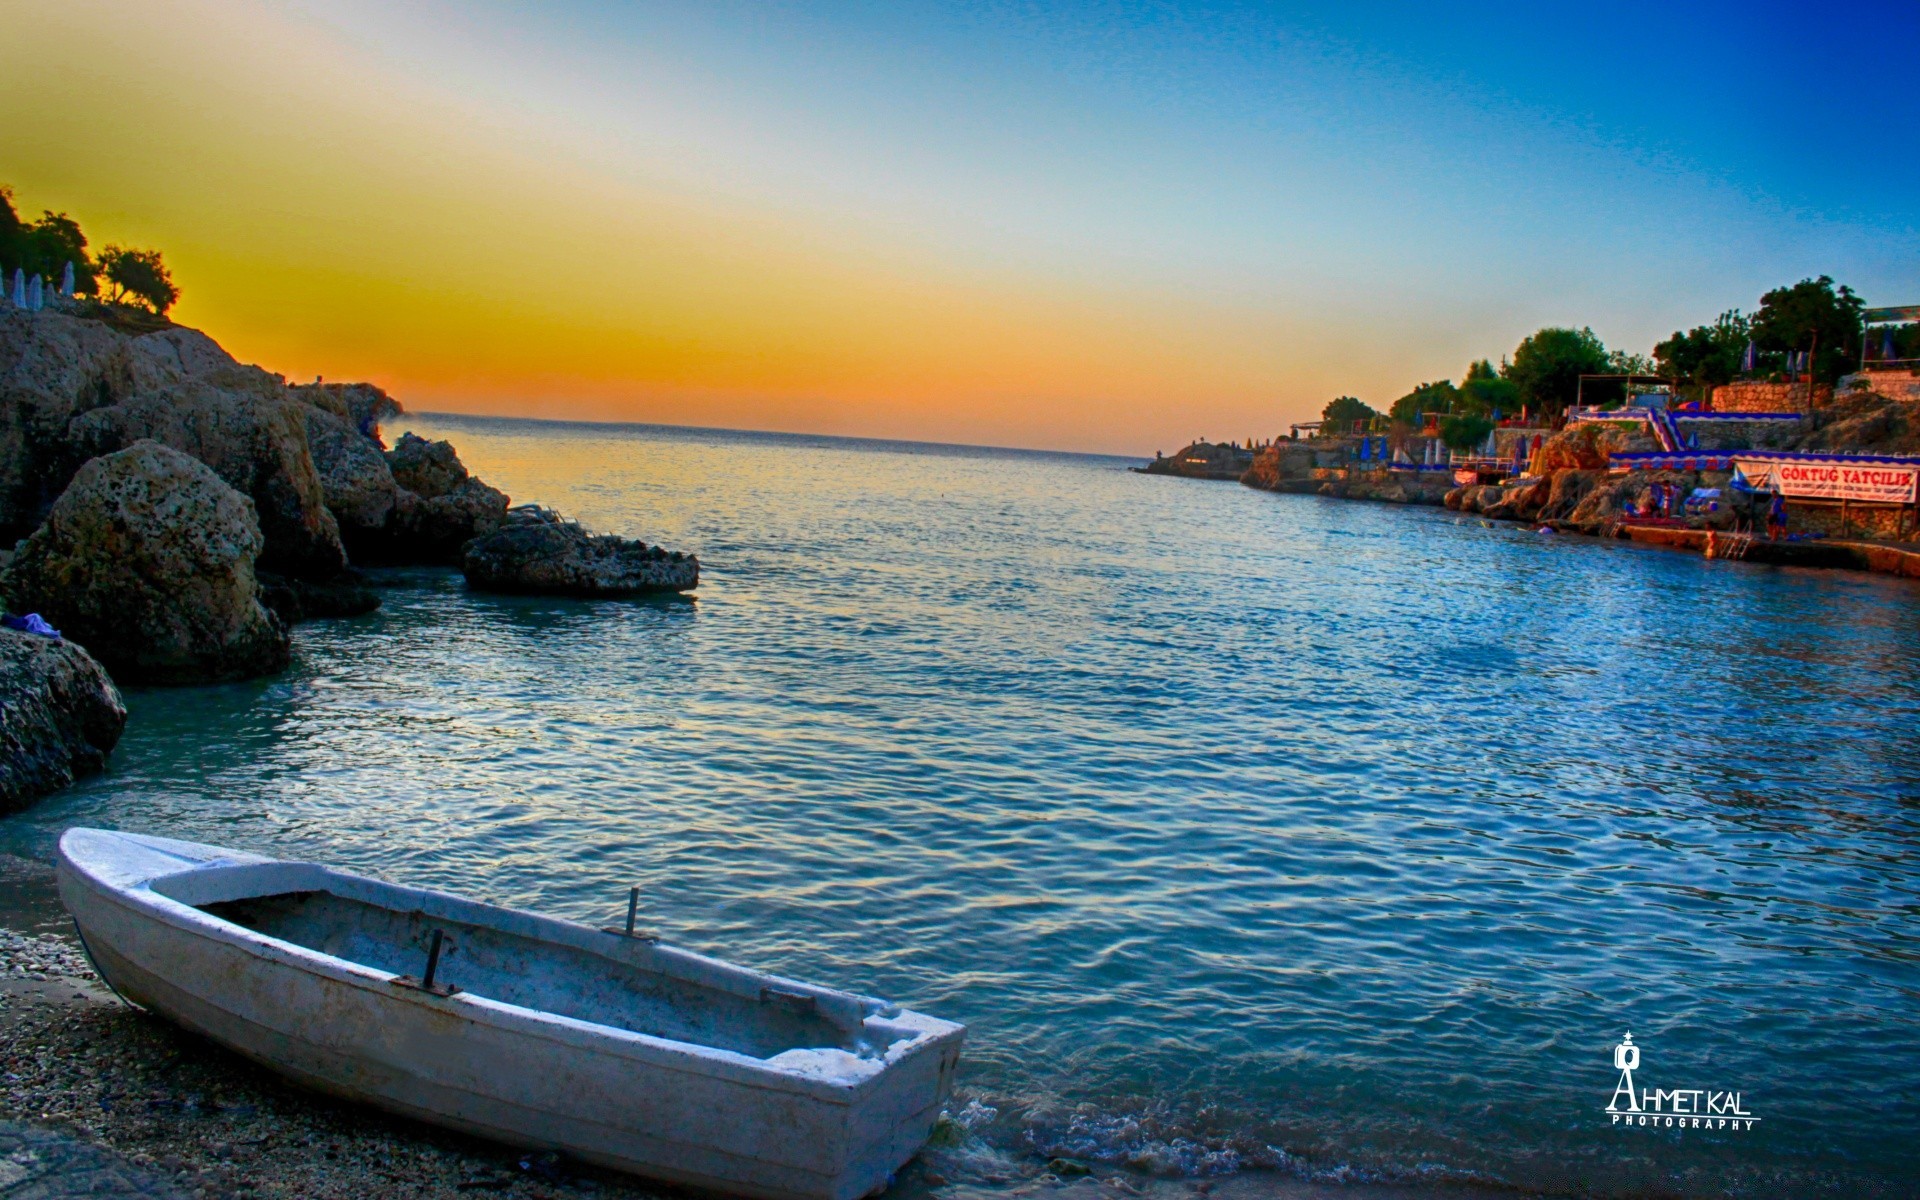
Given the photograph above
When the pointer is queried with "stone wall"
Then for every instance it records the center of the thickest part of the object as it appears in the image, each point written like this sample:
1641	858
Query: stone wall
1756	396
1777	434
1860	521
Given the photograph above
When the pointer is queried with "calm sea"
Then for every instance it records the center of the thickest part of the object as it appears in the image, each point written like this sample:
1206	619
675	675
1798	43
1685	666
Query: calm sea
1258	836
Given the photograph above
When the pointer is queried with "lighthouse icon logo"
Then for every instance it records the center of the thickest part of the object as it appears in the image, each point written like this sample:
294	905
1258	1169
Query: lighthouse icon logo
1626	1060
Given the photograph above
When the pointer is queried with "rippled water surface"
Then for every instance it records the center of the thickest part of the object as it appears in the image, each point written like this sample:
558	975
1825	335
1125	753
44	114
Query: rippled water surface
1246	832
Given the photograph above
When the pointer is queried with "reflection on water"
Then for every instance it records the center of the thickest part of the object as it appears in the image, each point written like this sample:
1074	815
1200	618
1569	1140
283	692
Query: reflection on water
1243	830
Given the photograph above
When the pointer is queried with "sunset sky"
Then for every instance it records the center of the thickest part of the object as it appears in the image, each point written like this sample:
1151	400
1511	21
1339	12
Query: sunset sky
1079	226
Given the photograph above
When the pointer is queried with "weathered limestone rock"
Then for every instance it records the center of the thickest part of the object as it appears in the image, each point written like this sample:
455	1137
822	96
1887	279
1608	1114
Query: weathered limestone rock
73	389
362	406
1565	491
1478	498
538	551
427	469
1520	501
59	716
1581	448
359	489
1280	463
1612	497
441	507
147	560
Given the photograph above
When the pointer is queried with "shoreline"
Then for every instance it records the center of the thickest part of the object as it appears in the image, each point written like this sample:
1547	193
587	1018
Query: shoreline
115	1102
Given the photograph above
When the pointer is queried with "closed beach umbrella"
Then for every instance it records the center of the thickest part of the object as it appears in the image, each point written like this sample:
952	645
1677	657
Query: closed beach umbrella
35	295
66	280
19	288
1887	349
1748	359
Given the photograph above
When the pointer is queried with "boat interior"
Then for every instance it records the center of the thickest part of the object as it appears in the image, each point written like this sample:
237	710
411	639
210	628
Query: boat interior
532	962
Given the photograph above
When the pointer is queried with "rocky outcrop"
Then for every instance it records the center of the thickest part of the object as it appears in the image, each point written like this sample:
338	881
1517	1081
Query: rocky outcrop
1585	447
438	507
1864	422
354	478
1565	490
1279	464
362	406
1326	467
147	560
59	716
1520	501
1617	496
536	550
72	389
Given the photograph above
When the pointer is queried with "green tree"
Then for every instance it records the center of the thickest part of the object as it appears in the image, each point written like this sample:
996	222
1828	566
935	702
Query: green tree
1486	394
138	276
1441	397
1343	410
1705	356
49	244
1464	431
1547	367
9	230
1794	318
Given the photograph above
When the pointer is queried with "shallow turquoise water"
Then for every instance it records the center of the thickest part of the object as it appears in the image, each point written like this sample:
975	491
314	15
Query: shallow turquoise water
1244	831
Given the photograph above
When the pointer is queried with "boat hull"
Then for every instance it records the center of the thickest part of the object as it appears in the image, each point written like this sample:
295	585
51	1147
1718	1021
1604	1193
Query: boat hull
644	1105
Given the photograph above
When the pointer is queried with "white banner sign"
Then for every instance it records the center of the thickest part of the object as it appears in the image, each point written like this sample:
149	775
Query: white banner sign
1873	482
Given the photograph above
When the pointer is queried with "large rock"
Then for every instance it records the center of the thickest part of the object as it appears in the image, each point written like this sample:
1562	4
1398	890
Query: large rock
147	560
1566	490
59	716
359	488
441	507
427	469
1520	501
536	550
362	406
1618	496
1584	447
72	389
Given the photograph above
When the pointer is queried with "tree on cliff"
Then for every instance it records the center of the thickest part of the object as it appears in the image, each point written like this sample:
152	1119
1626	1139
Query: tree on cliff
1440	397
44	247
1793	318
1547	367
138	276
1705	356
1345	410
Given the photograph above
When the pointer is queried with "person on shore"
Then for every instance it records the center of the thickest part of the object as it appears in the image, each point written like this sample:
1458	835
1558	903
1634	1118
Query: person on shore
1777	518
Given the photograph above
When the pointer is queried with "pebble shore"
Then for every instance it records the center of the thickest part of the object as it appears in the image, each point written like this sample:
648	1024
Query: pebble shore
197	1121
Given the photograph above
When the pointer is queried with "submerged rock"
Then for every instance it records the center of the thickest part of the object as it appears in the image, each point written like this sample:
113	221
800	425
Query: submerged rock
59	716
537	550
147	560
347	594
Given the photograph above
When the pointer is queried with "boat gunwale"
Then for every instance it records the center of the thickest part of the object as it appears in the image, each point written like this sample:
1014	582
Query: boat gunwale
140	899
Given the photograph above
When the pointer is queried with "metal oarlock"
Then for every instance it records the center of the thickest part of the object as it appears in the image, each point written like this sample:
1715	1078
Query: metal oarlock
633	912
426	981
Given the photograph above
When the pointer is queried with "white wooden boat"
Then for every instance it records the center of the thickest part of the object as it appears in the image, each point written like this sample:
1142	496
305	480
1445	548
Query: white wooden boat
538	1032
